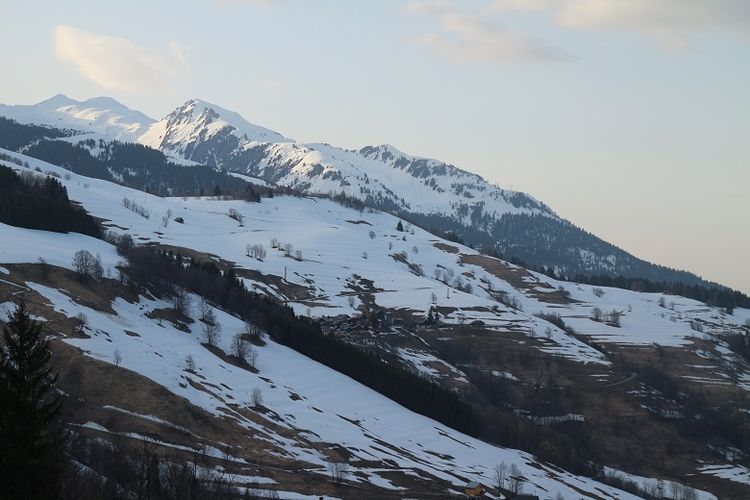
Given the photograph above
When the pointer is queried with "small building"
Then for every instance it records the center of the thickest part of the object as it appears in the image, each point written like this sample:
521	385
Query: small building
474	490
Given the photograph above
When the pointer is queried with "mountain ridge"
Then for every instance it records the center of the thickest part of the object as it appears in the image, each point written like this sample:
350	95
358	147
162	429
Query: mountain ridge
428	192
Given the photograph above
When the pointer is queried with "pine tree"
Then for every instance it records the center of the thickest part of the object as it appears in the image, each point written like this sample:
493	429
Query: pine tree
400	227
30	439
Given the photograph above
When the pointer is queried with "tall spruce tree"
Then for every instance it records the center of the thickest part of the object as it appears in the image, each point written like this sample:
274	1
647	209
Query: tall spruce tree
30	438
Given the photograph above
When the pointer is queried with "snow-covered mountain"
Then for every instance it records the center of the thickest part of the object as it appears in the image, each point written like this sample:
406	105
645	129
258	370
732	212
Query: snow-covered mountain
198	131
385	177
101	115
309	416
428	192
335	263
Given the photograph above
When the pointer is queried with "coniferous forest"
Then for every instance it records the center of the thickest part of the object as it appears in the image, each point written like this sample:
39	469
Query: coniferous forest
41	202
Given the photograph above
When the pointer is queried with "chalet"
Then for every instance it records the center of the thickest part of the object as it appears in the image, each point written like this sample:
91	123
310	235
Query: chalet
474	490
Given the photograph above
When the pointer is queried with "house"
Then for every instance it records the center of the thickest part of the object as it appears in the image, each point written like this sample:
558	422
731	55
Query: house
474	490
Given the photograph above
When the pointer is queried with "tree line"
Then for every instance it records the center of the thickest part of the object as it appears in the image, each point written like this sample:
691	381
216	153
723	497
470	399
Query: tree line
717	295
166	270
41	202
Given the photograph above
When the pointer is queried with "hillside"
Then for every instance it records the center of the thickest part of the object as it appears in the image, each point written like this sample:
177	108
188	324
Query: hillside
526	350
427	192
309	417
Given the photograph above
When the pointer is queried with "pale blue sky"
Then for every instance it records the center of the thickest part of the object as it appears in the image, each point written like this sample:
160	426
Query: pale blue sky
630	118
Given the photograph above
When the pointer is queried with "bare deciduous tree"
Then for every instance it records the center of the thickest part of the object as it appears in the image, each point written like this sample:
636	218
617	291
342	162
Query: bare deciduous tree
241	348
252	356
83	263
515	480
253	331
212	332
500	474
189	363
614	317
207	313
256	251
234	214
596	314
338	471
256	397
448	275
210	317
181	301
81	323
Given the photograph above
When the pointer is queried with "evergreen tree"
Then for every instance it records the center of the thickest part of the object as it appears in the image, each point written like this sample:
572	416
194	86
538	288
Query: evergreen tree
399	227
30	439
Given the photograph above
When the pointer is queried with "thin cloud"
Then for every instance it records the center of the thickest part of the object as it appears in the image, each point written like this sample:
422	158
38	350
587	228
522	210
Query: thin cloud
116	63
672	23
472	37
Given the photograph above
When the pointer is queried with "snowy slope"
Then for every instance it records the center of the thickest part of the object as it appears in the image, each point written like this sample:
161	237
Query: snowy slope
341	250
431	192
394	180
207	133
325	396
102	115
327	407
196	122
340	246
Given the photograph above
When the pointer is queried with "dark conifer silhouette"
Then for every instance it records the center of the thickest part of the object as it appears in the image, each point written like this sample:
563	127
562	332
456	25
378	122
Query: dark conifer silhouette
30	438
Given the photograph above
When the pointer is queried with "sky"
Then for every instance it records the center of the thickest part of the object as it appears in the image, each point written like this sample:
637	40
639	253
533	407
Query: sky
631	118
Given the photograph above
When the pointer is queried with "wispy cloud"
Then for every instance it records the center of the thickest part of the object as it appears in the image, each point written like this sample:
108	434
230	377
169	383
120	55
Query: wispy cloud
117	63
471	36
672	23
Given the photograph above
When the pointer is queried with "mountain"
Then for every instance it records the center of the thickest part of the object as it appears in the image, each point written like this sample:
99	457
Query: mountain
102	115
584	379
261	424
428	192
198	130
